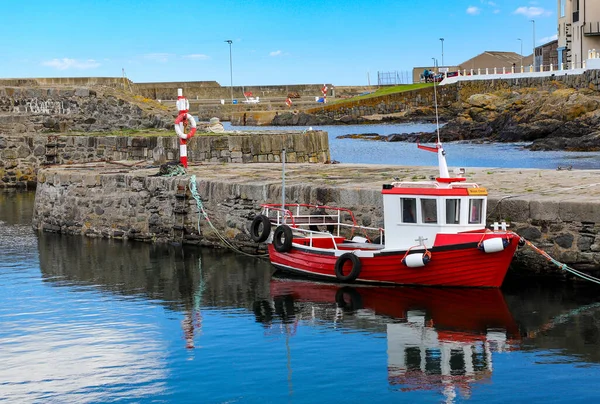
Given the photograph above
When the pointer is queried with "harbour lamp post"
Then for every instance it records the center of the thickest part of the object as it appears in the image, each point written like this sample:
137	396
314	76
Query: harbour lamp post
442	39
519	39
533	22
229	41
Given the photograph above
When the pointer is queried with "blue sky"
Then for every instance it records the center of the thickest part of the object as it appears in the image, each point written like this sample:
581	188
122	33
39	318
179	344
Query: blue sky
274	42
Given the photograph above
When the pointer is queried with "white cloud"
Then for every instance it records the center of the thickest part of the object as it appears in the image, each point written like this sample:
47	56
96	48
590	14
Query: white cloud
473	10
158	57
66	63
496	11
531	12
489	3
276	53
196	56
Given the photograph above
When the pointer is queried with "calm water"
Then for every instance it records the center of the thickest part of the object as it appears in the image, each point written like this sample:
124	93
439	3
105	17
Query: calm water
503	155
88	321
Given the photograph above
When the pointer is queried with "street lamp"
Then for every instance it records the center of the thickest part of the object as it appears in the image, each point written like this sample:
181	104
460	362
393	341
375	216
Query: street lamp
534	67
519	39
229	41
442	39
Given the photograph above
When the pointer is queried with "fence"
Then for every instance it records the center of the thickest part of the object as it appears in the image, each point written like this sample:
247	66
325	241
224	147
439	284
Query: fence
393	78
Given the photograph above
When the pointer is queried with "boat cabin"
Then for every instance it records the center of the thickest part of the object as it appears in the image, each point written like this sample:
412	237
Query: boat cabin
416	212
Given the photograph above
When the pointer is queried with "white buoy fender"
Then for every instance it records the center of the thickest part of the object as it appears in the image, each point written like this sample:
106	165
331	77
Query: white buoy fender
492	245
416	260
179	126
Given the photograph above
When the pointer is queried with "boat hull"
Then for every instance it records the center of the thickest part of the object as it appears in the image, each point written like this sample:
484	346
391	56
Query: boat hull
462	265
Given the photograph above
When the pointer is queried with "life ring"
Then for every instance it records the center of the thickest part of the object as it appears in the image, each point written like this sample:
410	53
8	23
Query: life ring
282	238
179	125
258	233
348	299
354	272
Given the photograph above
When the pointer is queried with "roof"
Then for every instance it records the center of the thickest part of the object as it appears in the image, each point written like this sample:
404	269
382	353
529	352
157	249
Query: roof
497	59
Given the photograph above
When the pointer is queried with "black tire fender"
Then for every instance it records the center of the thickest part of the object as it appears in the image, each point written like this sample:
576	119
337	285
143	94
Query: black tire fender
354	272
282	238
256	233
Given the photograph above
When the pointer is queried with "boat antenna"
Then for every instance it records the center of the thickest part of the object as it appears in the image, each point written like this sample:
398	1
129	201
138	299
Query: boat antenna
437	118
283	179
438	149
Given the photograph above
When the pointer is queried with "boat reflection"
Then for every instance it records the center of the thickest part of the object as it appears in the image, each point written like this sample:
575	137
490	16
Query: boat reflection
437	339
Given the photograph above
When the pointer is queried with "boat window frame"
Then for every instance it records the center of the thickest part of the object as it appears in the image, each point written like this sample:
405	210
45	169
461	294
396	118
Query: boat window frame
424	210
456	218
410	210
472	201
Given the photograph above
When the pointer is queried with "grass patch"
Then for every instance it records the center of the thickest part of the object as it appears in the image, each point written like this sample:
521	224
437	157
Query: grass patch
143	133
386	91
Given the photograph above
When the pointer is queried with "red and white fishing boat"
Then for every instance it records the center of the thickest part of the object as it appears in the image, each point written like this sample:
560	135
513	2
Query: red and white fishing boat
434	234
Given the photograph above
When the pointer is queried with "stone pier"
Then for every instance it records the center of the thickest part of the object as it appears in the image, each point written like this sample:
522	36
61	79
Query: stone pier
22	155
559	211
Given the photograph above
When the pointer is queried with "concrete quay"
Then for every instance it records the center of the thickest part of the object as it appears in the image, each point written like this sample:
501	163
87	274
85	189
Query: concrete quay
557	210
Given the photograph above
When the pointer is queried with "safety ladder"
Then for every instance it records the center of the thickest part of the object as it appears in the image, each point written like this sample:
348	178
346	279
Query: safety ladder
51	153
180	211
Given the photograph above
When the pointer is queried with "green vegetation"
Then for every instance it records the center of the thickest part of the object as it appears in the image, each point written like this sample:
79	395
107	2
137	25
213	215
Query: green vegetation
123	132
388	90
153	132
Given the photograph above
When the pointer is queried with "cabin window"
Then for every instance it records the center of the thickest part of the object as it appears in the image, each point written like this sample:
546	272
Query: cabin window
475	208
452	211
408	207
429	211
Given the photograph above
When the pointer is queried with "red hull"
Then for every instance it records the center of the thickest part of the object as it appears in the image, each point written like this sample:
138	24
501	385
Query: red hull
450	265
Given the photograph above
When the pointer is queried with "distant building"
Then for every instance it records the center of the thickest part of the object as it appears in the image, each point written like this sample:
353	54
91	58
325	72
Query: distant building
548	55
487	59
578	30
491	59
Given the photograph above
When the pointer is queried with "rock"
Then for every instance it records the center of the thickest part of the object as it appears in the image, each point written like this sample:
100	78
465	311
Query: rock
564	240
530	233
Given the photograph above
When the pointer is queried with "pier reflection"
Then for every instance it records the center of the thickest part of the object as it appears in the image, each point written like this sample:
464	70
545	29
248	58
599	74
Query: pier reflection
181	279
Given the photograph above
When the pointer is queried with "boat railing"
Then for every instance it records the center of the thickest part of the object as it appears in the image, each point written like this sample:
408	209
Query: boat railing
299	214
299	217
313	235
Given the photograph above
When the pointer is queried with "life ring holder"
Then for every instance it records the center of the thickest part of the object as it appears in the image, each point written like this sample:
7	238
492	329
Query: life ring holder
179	125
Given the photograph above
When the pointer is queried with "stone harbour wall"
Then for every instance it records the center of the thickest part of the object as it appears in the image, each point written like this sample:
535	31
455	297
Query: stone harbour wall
137	206
22	156
61	109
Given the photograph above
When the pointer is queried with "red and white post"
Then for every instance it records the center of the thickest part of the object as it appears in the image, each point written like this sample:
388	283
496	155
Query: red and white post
183	120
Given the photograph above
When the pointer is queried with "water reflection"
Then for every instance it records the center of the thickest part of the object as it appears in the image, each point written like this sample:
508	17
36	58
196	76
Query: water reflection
111	318
437	339
172	276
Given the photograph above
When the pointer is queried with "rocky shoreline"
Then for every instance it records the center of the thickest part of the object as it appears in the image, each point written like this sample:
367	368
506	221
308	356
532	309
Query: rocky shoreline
552	118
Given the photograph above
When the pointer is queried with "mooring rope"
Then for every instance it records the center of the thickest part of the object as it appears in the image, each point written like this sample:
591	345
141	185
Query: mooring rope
194	190
561	265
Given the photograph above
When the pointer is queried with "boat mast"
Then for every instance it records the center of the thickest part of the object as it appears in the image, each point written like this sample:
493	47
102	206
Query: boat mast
443	166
